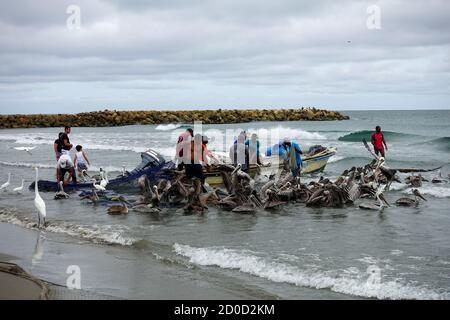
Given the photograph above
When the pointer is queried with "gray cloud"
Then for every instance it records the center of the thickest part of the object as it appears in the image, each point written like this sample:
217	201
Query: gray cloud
245	52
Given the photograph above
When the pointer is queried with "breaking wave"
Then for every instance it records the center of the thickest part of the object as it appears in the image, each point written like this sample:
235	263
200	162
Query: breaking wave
104	234
53	166
442	143
336	159
169	127
366	134
281	132
437	192
358	285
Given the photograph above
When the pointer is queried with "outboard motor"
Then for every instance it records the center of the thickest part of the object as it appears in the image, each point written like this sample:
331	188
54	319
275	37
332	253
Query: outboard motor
150	159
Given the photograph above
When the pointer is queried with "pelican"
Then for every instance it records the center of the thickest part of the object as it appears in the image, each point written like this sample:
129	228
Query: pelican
85	175
382	203
19	189
6	185
408	202
146	208
26	149
38	202
61	194
118	209
93	196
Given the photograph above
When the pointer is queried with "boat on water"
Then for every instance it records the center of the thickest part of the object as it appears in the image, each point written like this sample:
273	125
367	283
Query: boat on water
155	167
314	162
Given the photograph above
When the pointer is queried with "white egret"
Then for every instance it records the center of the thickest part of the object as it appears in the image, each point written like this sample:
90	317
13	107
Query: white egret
19	189
6	185
38	202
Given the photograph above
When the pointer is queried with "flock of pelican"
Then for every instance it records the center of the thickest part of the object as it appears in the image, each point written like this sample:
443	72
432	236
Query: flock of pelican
363	187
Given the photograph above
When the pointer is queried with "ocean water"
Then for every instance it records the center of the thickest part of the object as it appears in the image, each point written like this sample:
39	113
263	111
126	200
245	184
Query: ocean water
293	253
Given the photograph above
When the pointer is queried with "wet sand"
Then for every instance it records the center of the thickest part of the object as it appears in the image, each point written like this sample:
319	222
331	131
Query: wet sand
108	272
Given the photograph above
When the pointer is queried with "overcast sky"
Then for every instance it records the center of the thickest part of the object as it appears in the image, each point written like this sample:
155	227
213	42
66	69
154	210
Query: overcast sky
192	54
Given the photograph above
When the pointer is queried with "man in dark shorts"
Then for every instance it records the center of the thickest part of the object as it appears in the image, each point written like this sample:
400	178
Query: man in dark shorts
194	167
378	142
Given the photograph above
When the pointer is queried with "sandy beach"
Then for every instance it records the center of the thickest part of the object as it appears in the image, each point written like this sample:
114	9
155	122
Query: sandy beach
105	273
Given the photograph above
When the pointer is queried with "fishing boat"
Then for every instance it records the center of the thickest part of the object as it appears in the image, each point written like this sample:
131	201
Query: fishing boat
155	167
313	162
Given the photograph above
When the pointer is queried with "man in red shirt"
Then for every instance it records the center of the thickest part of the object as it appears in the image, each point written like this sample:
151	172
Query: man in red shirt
184	137
378	141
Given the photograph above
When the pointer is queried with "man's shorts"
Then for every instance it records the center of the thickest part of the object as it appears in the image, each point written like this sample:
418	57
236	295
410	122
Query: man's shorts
194	170
82	166
378	151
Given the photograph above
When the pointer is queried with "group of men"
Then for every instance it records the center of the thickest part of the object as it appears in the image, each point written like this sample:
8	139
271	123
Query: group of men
192	153
62	147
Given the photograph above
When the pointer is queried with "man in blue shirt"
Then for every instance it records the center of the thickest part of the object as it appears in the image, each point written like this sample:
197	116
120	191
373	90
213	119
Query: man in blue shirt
293	154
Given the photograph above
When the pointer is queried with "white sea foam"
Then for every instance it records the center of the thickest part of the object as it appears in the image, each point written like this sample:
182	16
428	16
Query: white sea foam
360	285
336	159
36	141
105	234
395	186
435	191
168	127
295	134
53	166
396	252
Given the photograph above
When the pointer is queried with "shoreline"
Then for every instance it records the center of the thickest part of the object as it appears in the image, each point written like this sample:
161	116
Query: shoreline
113	118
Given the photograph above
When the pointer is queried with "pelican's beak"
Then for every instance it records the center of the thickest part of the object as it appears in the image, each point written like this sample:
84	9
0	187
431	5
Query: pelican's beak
384	199
417	193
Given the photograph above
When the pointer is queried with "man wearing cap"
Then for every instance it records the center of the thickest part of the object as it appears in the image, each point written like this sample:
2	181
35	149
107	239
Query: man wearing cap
65	165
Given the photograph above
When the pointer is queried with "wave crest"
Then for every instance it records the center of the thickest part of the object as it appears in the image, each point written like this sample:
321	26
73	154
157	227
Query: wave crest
104	234
280	272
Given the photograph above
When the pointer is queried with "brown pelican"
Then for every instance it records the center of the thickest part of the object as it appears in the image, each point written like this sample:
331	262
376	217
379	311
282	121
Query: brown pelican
245	208
118	209
146	208
382	203
409	202
85	175
414	181
61	194
93	196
